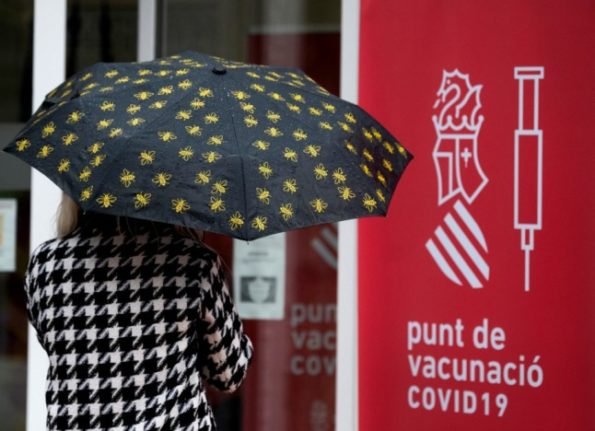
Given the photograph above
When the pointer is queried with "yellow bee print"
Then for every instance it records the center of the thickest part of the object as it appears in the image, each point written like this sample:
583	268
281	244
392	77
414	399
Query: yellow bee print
387	165
104	124
182	72
276	96
85	174
275	75
259	223
197	103
166	90
345	193
162	179
122	80
141	200
350	147
145	72
115	132
271	78
158	104
401	149
185	84
250	121
299	135
388	147
367	134
219	187
265	170
167	136
312	150
211	118
69	139
111	74
48	129
240	95
211	156
202	177
339	177
106	89
315	111
107	106
179	205
74	117
236	221
298	97
143	95
258	87
366	169
217	204
290	186
345	127
253	75
318	205
261	145
45	151
86	77
320	172
273	117
127	177
106	200
350	118
95	147
369	202
367	155
248	107
140	81
135	122
286	211
325	125
86	194
64	166
90	86
294	108
205	92
23	144
186	153
183	115
215	140
329	107
290	154
273	132
163	72
146	157
380	195
263	195
97	160
133	109
377	135
193	130
381	178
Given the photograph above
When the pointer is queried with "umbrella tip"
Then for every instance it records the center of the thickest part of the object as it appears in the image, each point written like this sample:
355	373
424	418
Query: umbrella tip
219	70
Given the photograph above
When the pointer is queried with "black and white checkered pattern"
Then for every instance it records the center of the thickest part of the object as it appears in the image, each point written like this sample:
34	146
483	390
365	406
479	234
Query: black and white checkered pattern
133	325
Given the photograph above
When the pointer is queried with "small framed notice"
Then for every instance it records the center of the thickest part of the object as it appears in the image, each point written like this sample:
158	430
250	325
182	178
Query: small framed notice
259	277
8	235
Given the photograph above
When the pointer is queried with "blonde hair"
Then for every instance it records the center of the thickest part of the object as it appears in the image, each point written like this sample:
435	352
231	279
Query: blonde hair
67	216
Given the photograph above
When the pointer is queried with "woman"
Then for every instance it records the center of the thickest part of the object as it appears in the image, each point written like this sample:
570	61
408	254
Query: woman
136	318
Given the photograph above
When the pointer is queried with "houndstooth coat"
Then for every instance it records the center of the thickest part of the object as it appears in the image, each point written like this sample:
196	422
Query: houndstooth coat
134	325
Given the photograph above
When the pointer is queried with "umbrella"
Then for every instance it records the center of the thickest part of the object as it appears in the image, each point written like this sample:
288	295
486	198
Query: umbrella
207	143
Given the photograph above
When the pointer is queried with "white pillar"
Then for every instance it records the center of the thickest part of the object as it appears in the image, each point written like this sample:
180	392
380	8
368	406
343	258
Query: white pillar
49	62
347	317
146	46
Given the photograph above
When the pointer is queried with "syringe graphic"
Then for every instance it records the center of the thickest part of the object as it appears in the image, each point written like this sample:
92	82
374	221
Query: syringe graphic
528	163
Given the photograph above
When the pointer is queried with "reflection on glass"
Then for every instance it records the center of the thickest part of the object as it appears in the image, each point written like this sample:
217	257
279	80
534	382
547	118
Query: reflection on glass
291	384
15	107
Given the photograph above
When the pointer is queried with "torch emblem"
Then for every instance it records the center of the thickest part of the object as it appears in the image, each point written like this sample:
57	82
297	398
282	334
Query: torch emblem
458	245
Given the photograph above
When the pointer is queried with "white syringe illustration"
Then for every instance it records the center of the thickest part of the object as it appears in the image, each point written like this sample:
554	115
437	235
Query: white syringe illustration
528	163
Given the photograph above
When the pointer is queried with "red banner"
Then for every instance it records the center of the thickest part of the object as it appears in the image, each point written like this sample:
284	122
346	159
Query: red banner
477	293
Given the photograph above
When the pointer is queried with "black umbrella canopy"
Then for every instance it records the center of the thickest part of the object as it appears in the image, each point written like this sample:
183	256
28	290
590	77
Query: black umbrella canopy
198	141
